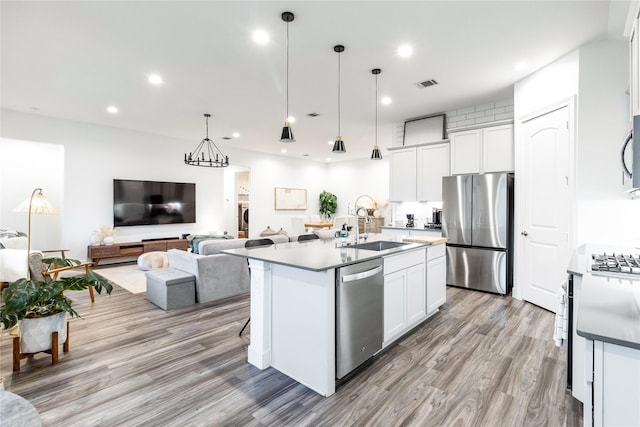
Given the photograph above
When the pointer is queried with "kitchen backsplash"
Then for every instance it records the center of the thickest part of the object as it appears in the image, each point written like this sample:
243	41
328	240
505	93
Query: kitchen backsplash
422	212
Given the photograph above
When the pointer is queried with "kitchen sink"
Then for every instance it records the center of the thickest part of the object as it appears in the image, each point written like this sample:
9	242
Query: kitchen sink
380	245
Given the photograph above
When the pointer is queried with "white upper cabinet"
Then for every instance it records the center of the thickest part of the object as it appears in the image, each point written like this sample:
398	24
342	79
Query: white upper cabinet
416	172
402	181
497	149
482	150
433	164
634	72
465	151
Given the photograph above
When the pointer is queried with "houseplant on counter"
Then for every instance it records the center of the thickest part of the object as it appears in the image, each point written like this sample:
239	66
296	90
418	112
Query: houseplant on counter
40	302
328	203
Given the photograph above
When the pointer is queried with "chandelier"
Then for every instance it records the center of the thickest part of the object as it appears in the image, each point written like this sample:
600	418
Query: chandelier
207	153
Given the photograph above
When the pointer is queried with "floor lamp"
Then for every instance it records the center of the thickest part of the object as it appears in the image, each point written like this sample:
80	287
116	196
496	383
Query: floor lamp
36	204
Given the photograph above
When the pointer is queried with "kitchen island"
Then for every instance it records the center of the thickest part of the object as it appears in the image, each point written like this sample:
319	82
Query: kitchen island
293	301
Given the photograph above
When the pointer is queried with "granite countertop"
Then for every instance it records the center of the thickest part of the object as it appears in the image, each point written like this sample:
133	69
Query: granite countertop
320	254
609	307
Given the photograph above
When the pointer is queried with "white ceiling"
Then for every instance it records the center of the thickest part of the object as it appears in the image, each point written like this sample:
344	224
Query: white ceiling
72	59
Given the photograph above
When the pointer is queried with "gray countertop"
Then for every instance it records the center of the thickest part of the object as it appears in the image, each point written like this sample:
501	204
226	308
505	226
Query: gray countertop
319	255
609	307
420	228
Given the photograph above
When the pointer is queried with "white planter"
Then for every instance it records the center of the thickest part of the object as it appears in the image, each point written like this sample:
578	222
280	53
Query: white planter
108	240
35	334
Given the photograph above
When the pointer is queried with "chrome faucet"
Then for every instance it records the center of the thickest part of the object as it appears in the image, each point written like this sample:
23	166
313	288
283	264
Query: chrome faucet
366	221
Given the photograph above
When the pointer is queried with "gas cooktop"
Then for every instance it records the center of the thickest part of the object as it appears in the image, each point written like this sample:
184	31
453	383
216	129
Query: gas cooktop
619	265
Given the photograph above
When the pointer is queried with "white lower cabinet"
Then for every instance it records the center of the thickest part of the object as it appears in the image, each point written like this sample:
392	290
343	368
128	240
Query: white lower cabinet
436	278
415	294
395	320
404	293
615	383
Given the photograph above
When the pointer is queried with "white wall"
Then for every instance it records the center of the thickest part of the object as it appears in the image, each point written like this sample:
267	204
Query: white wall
45	170
605	214
351	179
91	156
555	82
267	172
598	74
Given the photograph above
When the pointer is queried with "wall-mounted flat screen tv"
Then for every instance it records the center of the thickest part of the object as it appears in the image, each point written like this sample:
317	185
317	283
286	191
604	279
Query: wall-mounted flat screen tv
153	202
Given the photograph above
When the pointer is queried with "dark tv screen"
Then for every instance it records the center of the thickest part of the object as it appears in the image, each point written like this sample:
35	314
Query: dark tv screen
152	202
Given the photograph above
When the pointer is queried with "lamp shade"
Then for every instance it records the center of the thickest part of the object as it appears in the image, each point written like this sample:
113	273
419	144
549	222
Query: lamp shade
36	204
375	154
338	146
287	133
39	205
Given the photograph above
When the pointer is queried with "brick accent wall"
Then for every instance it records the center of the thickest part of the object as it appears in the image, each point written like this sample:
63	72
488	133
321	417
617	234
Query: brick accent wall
473	116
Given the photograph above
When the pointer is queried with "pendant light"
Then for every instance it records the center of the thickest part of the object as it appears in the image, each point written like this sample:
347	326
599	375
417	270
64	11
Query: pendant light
338	146
375	154
216	158
287	132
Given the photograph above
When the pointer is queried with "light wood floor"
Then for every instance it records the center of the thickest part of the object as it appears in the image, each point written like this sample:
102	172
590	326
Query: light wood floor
484	360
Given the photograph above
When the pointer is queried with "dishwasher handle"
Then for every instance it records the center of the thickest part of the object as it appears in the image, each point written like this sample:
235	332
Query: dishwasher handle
361	275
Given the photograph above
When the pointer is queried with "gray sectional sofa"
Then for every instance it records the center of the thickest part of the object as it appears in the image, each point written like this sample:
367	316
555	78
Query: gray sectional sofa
218	275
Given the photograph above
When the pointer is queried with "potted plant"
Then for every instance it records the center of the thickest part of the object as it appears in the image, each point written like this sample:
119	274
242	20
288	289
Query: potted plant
328	203
41	304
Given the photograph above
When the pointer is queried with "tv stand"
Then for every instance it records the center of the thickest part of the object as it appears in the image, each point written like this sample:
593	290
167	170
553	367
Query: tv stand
134	249
155	239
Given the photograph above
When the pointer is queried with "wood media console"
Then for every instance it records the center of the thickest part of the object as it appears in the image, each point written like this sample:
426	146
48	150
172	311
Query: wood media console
134	249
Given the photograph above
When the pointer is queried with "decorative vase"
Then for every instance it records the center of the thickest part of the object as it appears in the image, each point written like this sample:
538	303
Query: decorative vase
96	238
108	240
35	334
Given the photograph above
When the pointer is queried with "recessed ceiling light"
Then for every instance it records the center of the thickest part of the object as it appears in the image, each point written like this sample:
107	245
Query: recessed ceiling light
34	108
328	159
520	66
330	142
291	119
236	135
284	150
385	100
112	109
155	79
260	37
405	51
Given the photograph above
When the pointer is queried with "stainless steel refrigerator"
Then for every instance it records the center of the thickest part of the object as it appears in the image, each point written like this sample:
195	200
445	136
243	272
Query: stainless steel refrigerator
477	220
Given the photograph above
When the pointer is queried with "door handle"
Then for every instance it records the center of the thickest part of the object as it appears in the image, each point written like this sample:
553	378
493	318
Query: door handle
524	233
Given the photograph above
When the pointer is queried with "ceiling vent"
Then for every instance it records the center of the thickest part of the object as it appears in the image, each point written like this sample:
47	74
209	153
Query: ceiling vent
427	83
226	137
313	114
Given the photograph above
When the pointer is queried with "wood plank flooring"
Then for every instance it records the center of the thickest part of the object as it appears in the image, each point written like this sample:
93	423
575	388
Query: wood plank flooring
484	360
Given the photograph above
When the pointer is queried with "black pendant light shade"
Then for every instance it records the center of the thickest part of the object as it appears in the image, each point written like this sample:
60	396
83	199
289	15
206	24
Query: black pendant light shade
207	153
376	154
287	132
338	145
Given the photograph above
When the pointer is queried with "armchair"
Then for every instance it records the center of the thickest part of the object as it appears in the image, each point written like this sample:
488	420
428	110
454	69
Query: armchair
13	256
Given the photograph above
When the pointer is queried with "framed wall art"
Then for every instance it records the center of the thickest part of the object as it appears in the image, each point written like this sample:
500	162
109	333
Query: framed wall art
290	199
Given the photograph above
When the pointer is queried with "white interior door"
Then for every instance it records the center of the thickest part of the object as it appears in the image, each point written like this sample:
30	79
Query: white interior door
543	186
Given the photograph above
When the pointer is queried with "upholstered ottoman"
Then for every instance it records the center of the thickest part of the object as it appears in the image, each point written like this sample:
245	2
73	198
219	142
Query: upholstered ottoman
153	260
169	288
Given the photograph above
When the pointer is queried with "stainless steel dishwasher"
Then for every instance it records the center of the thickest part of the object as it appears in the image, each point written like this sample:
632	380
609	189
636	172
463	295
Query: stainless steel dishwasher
359	314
